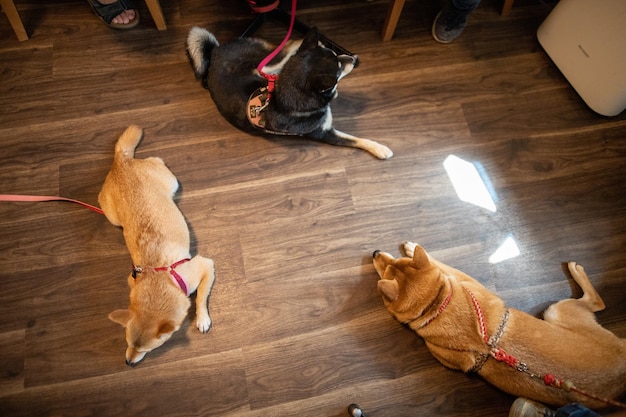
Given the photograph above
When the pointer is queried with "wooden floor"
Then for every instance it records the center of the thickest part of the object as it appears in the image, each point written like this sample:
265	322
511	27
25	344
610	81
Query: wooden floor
299	328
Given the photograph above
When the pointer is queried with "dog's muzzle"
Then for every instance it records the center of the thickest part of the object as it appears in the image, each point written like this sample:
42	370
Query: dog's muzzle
376	252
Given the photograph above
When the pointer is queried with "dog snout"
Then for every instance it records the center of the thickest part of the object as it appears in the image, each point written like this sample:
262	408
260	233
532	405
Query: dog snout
375	254
133	357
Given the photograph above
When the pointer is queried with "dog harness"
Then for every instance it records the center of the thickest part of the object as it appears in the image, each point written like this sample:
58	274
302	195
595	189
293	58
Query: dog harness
501	356
176	278
257	103
492	342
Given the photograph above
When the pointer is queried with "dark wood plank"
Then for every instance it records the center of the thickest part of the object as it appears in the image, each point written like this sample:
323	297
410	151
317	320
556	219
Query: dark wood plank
298	326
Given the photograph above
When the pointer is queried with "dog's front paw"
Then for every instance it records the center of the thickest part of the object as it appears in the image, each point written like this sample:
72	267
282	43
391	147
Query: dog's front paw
380	151
203	323
409	248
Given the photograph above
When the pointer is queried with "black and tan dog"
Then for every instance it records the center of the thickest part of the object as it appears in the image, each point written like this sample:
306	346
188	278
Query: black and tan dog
561	359
299	105
137	195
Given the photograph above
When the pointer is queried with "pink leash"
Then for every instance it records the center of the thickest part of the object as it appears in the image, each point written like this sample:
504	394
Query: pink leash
271	78
37	198
136	269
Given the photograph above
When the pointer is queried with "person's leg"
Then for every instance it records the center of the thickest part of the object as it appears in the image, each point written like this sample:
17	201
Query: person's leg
451	21
464	6
575	410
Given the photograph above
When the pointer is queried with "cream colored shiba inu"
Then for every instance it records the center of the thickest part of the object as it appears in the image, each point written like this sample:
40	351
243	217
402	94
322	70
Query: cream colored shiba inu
138	196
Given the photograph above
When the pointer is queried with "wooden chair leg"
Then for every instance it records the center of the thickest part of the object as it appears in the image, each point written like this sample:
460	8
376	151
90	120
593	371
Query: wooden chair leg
393	15
507	6
157	14
14	19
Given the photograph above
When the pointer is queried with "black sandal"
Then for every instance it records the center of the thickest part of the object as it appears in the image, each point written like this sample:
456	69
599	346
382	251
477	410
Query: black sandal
108	12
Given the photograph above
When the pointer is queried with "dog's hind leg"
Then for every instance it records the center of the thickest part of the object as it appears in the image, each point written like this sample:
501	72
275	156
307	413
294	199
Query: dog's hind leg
590	295
336	137
576	313
107	204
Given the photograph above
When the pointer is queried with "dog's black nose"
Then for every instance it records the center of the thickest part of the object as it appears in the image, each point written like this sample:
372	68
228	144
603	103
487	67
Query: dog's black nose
376	252
129	363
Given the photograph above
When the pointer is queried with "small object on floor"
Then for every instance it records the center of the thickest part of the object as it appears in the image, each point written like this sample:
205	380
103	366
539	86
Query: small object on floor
355	411
523	407
108	12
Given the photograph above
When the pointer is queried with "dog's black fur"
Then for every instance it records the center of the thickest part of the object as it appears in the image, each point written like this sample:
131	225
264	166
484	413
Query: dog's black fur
300	103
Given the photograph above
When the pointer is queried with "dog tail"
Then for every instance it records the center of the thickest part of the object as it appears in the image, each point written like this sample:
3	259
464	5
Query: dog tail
200	43
127	143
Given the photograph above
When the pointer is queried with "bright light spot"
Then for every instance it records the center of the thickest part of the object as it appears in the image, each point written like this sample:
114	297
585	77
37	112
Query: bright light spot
467	183
506	251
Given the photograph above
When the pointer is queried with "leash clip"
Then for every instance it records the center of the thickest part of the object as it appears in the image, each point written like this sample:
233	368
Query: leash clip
522	367
255	111
136	270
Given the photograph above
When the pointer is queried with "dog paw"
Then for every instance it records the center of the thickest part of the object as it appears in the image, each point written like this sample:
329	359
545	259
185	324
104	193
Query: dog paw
381	151
409	248
203	324
575	266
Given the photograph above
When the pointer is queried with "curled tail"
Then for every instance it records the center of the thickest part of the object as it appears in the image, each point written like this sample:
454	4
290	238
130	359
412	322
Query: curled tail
200	43
126	144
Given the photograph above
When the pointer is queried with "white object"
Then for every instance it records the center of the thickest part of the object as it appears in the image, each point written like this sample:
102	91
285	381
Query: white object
467	182
507	250
586	39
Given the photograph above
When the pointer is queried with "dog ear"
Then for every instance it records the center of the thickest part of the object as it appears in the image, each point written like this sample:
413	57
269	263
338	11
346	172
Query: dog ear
420	257
120	316
389	289
165	328
311	40
346	64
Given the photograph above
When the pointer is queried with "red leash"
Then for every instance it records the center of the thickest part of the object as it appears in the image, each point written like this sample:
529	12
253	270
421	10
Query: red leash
37	198
271	78
549	379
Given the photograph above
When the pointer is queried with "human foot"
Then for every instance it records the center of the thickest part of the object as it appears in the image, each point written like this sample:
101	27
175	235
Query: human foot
117	14
123	18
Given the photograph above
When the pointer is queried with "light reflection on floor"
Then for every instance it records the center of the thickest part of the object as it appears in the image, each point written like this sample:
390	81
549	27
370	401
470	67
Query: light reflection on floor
472	188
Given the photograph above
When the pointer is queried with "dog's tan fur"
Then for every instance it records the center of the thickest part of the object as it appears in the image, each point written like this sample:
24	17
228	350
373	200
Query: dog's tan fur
138	195
568	343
